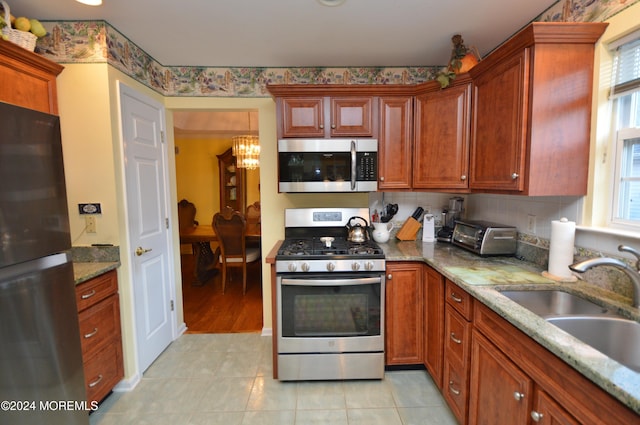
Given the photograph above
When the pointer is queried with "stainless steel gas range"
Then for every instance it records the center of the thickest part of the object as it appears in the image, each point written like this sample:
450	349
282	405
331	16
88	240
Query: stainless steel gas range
329	298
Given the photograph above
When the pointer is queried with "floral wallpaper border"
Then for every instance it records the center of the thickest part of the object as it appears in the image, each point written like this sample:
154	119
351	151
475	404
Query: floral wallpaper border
99	42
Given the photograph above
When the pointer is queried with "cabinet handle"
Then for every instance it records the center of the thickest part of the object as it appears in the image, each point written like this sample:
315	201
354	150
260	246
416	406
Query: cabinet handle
463	177
453	390
88	294
536	416
456	298
96	382
90	334
515	176
321	126
518	395
454	339
389	276
381	178
333	126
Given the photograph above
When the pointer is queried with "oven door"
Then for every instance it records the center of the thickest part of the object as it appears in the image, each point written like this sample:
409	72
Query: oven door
339	313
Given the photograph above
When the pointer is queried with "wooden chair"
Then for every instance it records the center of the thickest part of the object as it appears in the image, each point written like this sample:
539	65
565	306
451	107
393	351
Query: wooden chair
253	221
205	266
230	227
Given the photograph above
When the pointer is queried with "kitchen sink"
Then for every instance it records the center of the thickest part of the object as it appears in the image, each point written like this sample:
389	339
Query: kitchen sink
616	337
551	303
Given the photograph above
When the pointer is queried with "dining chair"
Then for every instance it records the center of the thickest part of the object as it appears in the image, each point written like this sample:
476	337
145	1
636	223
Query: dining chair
230	227
187	218
253	222
205	266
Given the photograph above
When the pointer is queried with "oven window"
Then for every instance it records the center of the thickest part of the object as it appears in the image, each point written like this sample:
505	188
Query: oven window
327	311
314	166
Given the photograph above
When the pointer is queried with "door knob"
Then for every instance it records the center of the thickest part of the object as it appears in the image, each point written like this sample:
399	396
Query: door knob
140	250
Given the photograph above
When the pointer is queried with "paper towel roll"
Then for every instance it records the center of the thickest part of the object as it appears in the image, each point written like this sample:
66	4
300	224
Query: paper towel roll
563	234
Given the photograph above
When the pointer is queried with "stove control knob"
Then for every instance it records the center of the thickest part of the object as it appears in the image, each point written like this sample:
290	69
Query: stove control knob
305	267
355	266
368	266
331	267
292	267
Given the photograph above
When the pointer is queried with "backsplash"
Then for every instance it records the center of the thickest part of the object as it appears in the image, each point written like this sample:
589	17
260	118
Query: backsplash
95	254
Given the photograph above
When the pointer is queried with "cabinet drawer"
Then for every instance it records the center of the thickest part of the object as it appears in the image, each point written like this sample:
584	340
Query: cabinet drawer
92	291
103	371
457	334
459	299
455	390
99	325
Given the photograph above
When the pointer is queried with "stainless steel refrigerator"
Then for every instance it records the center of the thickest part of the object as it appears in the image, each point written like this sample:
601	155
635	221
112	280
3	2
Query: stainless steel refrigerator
41	375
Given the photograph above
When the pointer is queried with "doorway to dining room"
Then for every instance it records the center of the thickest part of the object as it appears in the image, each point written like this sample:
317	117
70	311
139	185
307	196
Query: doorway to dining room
202	145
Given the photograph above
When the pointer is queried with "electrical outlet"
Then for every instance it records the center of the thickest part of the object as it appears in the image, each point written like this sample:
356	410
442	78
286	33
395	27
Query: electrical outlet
90	223
531	224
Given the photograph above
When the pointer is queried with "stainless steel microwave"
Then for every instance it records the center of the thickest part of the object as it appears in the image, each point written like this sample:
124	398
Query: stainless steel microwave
327	165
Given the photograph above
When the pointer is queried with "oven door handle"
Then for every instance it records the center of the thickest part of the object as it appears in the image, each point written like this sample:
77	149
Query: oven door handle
331	282
354	172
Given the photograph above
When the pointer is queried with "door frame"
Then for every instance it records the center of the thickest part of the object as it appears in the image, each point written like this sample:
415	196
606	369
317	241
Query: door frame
128	247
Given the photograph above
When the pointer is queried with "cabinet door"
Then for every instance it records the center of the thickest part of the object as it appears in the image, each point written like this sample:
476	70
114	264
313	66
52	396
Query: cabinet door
352	116
433	308
394	143
403	307
441	159
302	117
499	392
499	134
546	411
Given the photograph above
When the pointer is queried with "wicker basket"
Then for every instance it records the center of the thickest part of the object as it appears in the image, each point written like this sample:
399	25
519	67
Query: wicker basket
24	39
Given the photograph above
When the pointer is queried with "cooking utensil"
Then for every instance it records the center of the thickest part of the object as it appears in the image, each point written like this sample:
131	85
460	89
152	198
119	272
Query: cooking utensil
357	232
388	212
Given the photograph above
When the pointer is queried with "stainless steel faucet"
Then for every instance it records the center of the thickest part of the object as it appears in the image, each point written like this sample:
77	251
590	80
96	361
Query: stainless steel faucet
634	274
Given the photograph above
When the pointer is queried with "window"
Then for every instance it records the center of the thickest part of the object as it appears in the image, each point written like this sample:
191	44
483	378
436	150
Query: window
626	97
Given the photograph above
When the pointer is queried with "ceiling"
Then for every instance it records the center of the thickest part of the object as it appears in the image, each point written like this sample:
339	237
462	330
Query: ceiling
299	33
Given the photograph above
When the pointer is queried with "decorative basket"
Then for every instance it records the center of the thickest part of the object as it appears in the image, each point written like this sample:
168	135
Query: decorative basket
24	39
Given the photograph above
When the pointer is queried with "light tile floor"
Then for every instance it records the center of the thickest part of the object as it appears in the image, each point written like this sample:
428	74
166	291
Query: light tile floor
227	379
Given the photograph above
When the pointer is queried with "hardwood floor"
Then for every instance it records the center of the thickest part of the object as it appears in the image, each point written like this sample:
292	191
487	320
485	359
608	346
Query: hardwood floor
207	310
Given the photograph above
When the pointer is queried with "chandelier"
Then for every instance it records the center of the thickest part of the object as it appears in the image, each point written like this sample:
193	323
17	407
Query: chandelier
246	149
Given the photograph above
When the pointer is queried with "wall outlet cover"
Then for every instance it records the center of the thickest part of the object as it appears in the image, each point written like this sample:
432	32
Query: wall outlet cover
93	208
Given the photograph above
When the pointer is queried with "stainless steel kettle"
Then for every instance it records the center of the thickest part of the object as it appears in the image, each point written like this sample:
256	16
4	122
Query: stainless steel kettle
357	232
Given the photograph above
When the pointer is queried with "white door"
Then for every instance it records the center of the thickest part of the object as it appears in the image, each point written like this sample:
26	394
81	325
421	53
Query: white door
147	211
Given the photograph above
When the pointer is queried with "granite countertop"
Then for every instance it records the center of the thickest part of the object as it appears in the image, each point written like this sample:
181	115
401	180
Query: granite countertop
483	277
83	271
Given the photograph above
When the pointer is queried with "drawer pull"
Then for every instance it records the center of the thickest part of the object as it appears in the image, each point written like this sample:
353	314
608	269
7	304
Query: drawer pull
90	334
88	294
518	395
453	390
96	382
456	298
454	339
536	416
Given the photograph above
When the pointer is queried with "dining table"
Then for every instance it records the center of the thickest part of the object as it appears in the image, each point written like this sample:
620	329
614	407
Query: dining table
205	260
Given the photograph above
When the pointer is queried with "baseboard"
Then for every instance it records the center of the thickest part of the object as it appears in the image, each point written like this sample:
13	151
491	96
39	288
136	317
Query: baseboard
267	332
127	384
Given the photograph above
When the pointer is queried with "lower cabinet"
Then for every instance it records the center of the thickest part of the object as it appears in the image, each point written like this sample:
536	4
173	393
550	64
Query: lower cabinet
433	323
100	334
403	312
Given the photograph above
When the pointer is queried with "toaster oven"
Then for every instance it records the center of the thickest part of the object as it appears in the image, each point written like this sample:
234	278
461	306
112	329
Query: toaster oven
485	238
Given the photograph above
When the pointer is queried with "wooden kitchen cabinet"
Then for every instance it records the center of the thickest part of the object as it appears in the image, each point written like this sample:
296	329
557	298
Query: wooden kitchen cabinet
347	117
500	393
442	135
395	148
506	360
28	79
531	111
100	334
403	313
232	183
433	324
457	349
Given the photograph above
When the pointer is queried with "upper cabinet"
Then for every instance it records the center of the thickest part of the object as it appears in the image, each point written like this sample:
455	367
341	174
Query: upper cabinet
442	128
347	116
28	79
394	143
532	112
